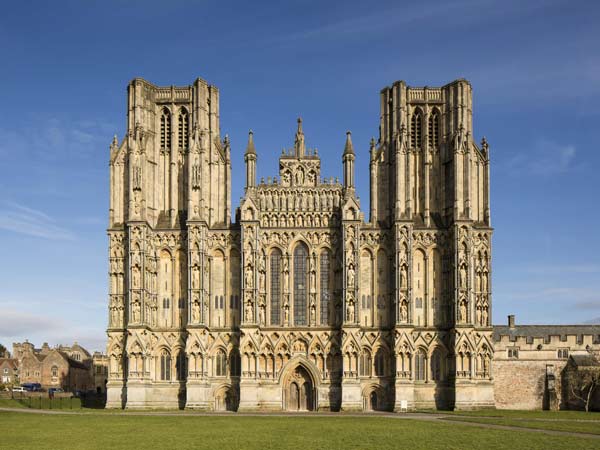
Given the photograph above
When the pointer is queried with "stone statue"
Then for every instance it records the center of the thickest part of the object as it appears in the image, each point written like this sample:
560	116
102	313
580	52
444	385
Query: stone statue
350	311
403	311
463	311
350	275
403	277
484	282
249	276
136	311
196	311
249	312
463	277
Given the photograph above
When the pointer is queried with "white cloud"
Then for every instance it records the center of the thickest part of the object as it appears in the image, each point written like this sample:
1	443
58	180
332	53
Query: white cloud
545	158
31	222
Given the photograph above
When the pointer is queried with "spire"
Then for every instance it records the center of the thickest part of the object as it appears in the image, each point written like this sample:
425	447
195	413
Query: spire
299	146
349	148
250	159
250	149
348	162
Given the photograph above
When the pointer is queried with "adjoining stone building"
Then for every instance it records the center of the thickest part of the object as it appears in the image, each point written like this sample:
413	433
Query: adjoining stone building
66	367
530	365
100	372
9	371
301	303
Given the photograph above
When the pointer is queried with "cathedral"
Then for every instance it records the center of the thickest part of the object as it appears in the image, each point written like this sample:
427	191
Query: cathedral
303	302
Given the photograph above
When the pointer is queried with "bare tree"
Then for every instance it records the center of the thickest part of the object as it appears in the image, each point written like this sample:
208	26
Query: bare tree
583	385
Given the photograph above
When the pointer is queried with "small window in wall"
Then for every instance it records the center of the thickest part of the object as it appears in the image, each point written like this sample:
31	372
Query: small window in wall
513	353
54	371
419	302
563	353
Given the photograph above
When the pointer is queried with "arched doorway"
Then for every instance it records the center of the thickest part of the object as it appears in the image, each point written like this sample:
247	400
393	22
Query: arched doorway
226	400
373	401
299	391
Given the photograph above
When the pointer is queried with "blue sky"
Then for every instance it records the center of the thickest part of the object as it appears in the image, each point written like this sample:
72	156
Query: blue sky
534	67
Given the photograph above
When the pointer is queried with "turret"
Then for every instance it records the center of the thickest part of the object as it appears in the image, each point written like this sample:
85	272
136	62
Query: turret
348	161
250	159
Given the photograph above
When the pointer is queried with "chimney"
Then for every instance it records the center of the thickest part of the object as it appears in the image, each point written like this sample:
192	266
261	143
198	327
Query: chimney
511	321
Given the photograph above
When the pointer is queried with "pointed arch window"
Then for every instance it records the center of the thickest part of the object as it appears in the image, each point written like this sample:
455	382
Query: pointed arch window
300	281
182	129
220	364
365	363
415	130
420	365
165	129
325	286
434	129
235	363
380	363
165	366
275	287
437	373
181	366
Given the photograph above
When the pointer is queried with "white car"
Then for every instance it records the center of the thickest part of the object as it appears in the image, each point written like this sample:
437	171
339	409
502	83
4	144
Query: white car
19	389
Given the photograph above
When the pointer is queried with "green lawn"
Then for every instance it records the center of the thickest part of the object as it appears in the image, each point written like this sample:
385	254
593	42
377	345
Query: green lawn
41	403
520	414
590	426
104	431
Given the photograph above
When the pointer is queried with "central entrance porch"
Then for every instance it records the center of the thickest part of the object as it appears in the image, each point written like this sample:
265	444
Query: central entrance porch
299	391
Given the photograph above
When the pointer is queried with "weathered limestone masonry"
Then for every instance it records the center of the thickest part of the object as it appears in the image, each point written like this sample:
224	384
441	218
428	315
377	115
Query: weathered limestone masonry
301	304
529	362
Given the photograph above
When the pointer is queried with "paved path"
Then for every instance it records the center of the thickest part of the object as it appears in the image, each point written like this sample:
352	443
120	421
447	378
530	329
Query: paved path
430	417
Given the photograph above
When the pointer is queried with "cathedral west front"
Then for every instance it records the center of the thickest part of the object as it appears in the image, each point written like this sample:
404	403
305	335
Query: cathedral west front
304	301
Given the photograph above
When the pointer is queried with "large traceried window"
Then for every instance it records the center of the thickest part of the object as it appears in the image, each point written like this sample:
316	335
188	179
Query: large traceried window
415	130
434	129
275	287
165	129
300	274
325	286
182	129
165	365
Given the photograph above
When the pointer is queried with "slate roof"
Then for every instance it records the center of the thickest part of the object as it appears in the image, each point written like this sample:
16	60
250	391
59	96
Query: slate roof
584	360
545	331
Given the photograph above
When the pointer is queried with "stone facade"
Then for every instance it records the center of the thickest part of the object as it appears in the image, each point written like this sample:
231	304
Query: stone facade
100	371
529	364
9	371
66	367
301	303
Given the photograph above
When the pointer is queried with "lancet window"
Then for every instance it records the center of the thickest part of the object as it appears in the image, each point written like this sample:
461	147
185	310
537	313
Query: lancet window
300	281
275	287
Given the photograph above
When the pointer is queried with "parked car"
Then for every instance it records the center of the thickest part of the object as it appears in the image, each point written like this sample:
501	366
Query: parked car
55	391
19	389
32	387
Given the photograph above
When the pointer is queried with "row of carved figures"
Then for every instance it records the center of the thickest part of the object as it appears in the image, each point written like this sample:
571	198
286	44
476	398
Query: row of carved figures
305	200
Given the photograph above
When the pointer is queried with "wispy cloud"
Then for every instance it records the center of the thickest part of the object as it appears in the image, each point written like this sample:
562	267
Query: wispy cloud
16	326
31	222
56	138
575	268
545	158
17	323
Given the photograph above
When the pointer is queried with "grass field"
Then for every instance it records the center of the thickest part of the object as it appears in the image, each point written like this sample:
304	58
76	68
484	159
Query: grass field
102	431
